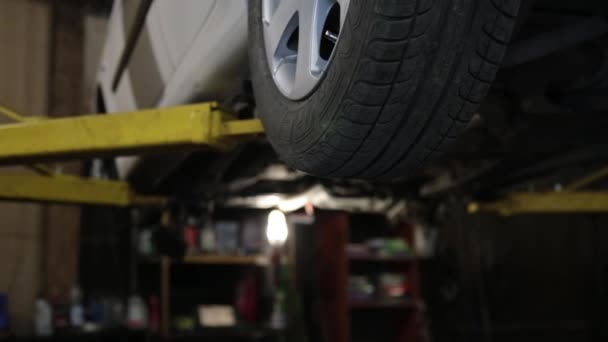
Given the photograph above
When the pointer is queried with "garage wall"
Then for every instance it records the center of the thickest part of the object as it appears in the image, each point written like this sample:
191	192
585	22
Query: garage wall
24	34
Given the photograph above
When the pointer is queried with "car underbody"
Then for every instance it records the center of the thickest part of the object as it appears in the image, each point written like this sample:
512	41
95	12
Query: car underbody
543	115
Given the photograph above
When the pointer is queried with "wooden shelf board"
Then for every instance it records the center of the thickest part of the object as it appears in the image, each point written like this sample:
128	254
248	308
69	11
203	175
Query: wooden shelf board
241	332
375	303
214	259
379	258
219	259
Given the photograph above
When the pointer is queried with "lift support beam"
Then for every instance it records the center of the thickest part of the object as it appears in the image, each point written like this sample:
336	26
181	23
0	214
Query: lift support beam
35	140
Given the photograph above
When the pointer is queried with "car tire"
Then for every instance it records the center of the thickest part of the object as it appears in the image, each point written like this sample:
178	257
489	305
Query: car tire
403	82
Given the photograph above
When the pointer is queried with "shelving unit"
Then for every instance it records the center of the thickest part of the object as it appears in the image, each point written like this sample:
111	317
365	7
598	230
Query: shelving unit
216	333
233	273
349	318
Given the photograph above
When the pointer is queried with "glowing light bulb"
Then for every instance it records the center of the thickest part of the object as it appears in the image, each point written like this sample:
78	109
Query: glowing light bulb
276	230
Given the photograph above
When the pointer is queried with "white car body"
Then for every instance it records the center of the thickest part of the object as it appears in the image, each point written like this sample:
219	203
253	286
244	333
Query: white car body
187	51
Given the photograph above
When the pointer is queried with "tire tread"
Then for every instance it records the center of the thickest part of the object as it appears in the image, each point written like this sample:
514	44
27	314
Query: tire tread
422	71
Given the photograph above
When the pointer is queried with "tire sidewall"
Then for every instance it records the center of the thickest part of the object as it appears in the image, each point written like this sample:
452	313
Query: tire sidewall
294	128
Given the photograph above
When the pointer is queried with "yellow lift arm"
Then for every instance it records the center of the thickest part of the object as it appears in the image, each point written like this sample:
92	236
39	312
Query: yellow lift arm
570	200
184	128
71	190
34	140
547	202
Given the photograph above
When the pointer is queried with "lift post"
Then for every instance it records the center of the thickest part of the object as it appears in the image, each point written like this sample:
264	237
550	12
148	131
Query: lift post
38	139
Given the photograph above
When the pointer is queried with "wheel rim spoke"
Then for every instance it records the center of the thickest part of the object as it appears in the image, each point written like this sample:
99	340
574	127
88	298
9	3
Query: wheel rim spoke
344	4
277	22
307	48
293	31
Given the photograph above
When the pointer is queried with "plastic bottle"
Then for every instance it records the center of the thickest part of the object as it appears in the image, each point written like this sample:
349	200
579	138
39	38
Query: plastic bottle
60	311
277	318
191	236
207	238
137	314
76	308
43	318
154	314
4	320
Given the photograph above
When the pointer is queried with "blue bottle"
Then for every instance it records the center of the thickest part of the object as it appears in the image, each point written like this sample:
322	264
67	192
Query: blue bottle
4	322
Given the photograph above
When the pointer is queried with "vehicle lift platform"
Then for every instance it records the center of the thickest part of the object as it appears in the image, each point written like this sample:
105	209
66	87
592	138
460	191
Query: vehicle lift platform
30	141
33	140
